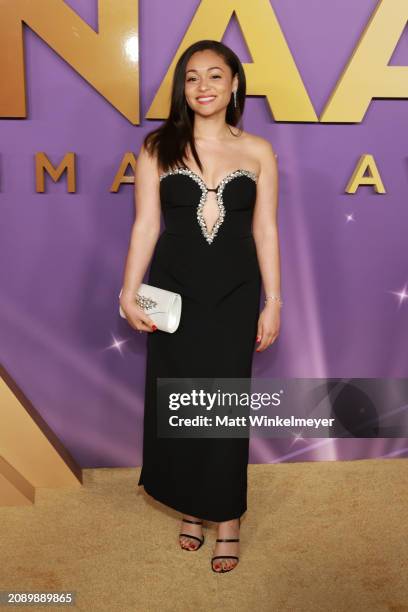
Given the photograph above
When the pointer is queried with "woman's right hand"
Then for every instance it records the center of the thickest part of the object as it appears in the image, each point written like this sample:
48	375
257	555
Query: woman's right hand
136	317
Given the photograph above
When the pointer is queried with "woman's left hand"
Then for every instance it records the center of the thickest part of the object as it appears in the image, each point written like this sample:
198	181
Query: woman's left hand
268	325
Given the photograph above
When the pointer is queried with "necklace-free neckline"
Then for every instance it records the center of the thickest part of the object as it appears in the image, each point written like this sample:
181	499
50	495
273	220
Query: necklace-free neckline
184	170
227	176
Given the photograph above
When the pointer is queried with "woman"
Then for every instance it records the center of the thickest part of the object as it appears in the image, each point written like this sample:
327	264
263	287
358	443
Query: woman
217	187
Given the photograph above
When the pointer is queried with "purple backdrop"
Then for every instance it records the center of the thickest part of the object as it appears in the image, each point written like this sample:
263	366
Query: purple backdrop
63	254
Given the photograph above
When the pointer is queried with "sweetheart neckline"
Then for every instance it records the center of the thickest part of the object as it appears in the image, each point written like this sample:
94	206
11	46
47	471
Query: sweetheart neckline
188	170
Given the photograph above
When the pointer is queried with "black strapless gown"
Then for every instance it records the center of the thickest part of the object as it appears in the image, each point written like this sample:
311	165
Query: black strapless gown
218	277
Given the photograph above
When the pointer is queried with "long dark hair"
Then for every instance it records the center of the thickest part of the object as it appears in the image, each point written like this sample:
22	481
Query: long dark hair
170	140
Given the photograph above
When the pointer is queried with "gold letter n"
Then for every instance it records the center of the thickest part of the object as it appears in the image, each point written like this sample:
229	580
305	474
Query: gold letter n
108	59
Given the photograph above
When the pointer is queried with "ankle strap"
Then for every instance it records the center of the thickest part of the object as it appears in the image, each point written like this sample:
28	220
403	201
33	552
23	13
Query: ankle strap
194	522
228	540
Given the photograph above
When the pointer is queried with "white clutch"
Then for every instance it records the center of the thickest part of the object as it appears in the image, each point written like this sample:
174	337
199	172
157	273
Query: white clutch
162	306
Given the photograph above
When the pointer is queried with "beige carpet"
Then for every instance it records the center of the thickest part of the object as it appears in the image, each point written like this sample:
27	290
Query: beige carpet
324	536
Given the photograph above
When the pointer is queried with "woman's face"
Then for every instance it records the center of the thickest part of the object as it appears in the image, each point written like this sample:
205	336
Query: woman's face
208	83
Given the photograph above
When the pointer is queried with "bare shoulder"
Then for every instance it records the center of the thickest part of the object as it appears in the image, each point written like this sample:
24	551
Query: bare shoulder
260	149
146	156
147	163
260	146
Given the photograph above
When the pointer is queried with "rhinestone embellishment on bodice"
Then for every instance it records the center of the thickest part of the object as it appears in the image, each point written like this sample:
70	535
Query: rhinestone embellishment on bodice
209	236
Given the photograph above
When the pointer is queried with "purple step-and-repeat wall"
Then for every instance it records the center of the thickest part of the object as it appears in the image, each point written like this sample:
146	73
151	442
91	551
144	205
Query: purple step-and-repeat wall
344	256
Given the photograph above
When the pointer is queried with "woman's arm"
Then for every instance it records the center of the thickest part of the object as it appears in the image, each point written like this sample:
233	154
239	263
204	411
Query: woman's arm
265	232
144	235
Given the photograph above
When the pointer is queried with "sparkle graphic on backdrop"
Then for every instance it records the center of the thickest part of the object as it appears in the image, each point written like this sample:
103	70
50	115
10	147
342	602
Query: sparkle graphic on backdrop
402	294
296	438
117	344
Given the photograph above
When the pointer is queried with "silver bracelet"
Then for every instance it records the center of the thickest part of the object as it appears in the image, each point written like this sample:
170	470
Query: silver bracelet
275	298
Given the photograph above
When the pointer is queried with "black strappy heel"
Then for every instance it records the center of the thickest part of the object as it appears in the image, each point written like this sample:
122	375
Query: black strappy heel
187	535
223	571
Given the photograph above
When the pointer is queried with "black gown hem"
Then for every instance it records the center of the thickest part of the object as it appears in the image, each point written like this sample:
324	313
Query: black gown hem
189	510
